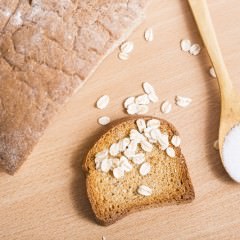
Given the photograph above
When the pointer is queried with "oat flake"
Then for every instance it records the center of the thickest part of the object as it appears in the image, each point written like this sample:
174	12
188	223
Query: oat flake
148	35
195	49
185	45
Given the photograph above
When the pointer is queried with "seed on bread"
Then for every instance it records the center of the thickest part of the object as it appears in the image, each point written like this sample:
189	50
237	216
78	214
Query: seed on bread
138	158
176	140
163	141
106	165
114	149
141	124
170	152
137	179
144	190
123	144
145	169
128	147
103	154
125	164
146	146
118	172
154	123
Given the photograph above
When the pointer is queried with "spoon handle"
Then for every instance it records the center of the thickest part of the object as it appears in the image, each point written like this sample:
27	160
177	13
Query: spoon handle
205	26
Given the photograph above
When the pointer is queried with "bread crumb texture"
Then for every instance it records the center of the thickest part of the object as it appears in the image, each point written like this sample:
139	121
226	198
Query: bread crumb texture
113	198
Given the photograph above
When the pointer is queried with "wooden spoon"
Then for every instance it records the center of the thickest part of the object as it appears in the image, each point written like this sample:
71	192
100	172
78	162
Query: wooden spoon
230	99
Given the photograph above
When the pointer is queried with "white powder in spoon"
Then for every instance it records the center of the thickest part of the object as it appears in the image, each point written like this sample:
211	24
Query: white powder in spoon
231	153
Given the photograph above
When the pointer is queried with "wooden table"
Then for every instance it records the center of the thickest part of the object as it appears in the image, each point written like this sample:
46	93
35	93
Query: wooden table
46	199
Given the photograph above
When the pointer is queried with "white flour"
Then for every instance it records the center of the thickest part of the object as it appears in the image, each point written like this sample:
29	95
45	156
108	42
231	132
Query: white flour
231	153
16	20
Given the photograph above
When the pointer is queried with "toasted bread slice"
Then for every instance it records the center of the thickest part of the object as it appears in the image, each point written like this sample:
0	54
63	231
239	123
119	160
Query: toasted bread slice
113	196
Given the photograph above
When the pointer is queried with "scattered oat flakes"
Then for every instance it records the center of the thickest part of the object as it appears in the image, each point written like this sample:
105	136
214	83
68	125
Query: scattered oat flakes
166	107
183	101
132	108
127	47
195	49
153	97
142	109
129	101
104	120
139	104
142	99
212	72
148	35
102	102
148	88
185	45
123	56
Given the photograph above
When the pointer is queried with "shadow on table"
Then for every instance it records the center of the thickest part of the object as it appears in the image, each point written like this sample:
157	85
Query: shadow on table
211	130
78	188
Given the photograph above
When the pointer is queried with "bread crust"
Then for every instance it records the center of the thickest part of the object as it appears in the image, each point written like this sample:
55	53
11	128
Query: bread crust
190	196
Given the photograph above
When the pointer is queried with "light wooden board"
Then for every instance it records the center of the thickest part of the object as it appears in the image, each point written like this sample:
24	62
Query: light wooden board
46	199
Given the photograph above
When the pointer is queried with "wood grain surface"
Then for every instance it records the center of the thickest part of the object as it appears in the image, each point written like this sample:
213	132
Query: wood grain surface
46	199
